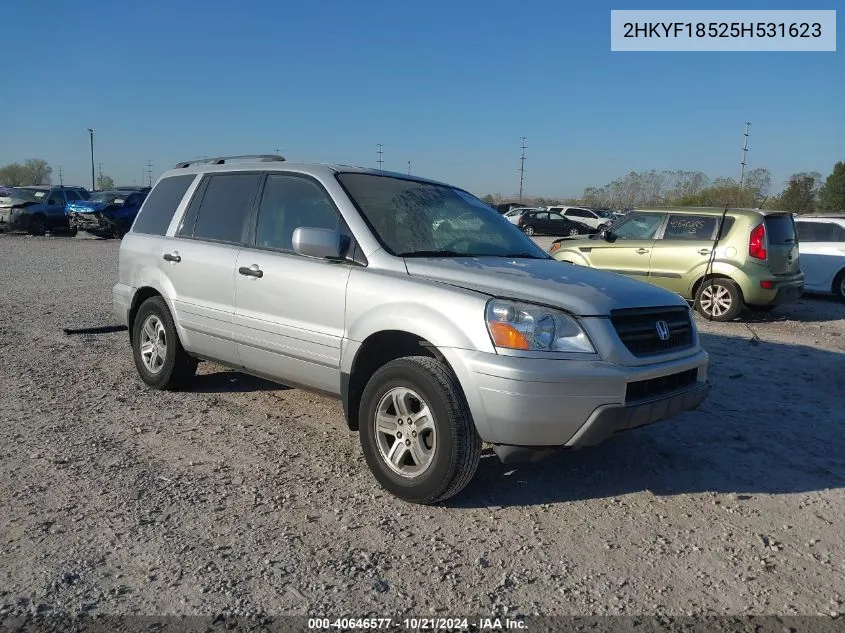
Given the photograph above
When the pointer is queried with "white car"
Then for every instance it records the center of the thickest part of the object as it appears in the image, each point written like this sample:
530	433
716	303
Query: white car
821	243
514	214
594	219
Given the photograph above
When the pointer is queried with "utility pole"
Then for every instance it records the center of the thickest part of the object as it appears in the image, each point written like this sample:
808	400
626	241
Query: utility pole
93	181
522	169
380	154
150	172
409	168
61	180
278	151
744	155
100	165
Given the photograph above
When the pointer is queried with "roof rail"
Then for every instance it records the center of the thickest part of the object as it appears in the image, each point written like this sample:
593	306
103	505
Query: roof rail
221	160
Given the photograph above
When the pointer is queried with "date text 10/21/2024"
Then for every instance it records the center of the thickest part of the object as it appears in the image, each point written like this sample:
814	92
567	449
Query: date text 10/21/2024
418	624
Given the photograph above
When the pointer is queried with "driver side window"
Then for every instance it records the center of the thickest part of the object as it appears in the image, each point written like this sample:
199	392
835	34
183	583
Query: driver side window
639	226
56	197
289	202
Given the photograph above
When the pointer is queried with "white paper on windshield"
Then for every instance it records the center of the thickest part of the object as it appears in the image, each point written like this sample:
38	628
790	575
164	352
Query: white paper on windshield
118	201
40	194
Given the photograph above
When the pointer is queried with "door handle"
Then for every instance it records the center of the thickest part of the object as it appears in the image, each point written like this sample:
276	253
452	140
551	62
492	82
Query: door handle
252	271
704	251
172	257
642	251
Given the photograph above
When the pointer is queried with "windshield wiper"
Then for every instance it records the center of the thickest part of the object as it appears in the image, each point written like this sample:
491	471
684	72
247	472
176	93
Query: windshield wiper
434	254
522	256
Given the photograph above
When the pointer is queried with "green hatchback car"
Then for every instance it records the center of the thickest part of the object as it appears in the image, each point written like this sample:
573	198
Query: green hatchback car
753	264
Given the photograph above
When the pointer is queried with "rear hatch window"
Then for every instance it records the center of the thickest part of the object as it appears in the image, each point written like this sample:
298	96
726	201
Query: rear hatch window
782	243
780	229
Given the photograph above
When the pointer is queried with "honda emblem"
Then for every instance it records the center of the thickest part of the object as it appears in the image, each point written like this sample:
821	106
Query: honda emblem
662	330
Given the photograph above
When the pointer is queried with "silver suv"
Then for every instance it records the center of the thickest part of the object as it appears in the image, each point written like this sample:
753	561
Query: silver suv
436	334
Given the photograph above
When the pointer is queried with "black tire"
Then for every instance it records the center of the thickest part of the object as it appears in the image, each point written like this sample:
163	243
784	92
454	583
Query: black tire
37	225
457	447
726	291
178	367
528	230
839	285
574	231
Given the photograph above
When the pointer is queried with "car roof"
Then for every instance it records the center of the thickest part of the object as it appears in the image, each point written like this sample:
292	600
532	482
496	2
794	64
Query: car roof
317	170
820	216
709	210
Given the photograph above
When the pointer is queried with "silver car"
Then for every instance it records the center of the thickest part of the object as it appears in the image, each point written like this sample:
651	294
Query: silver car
436	335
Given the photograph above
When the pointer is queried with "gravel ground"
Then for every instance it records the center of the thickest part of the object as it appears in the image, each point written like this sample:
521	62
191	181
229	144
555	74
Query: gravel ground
242	497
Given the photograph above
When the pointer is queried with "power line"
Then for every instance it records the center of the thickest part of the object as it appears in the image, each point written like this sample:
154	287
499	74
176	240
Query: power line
522	169
380	154
744	156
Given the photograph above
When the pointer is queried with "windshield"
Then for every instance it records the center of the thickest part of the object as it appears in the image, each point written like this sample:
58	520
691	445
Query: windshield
28	195
418	219
109	197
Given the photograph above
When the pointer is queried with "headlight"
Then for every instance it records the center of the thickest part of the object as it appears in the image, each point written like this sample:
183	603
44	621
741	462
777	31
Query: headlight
530	327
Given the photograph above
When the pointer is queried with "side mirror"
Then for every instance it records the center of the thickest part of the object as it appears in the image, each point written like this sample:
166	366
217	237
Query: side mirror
320	243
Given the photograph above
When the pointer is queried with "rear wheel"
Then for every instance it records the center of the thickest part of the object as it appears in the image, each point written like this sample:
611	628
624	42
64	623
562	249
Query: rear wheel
528	230
574	231
160	359
416	431
839	285
719	299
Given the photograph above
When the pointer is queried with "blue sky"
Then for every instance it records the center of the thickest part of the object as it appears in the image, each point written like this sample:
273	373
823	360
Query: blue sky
450	86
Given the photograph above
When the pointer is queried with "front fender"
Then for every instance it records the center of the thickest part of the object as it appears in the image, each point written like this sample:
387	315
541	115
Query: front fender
443	315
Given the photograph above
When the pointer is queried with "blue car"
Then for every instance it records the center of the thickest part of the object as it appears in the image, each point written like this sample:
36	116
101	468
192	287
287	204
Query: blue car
106	213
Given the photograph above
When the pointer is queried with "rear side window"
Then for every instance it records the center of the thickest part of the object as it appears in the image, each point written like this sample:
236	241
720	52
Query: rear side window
161	204
690	227
71	195
780	229
820	232
225	205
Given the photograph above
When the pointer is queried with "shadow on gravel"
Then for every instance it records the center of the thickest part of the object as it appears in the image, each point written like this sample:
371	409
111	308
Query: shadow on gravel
232	382
808	309
772	425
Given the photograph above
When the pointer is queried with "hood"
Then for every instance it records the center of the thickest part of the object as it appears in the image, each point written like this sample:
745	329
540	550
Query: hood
11	201
85	206
577	289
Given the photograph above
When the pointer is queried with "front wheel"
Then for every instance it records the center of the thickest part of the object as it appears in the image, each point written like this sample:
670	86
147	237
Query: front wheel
528	230
160	359
416	432
718	300
37	225
839	285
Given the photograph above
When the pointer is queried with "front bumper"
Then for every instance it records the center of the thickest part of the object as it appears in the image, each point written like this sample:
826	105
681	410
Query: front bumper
13	220
92	222
544	403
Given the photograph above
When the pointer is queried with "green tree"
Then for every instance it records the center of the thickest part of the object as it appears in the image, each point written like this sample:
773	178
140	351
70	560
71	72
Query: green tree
34	171
801	193
832	194
726	192
104	183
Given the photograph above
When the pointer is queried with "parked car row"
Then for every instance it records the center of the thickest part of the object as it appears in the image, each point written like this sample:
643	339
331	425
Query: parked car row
758	260
39	209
